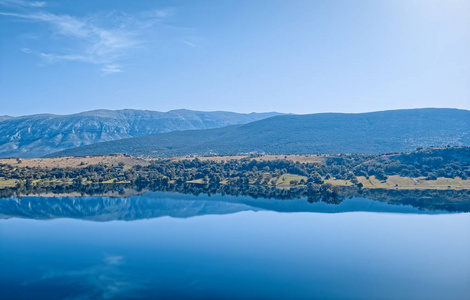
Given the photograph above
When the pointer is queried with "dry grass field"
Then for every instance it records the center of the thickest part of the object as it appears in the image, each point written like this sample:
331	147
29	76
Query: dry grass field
76	161
115	159
398	182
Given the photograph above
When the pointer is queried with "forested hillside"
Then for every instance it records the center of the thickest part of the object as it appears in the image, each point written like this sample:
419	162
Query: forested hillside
328	133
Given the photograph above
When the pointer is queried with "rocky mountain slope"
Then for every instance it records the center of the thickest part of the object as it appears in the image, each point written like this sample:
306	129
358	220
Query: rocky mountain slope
38	135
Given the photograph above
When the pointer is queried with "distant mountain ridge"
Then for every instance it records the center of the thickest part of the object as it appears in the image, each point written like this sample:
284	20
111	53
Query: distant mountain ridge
329	133
38	135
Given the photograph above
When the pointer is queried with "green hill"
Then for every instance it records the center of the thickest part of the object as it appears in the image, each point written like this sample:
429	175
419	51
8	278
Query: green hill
376	132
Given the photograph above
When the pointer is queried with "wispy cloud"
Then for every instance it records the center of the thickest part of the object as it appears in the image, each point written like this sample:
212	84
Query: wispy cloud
109	69
188	43
23	3
102	40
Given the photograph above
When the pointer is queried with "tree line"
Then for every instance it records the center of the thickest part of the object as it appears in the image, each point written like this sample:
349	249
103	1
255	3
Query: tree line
249	176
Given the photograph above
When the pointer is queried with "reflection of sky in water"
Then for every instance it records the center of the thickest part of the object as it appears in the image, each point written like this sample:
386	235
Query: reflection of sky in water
243	255
102	281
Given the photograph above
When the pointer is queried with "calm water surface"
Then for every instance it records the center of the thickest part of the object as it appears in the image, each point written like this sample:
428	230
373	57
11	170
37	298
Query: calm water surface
170	246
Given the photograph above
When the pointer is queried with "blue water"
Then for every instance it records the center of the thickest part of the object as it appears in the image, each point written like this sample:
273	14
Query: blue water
170	246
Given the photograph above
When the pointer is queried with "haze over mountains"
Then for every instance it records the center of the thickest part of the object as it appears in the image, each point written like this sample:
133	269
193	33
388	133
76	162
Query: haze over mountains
329	133
38	135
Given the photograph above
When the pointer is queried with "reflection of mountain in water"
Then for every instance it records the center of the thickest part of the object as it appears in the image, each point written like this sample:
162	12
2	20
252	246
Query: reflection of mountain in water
107	208
159	204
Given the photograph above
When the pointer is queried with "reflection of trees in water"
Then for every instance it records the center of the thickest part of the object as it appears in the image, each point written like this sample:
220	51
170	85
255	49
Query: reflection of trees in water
330	199
450	200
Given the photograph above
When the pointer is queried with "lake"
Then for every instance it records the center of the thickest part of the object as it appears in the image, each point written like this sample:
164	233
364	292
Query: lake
174	246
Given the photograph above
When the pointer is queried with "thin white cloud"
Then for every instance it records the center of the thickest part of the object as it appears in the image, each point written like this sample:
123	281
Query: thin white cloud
109	69
101	39
34	4
188	43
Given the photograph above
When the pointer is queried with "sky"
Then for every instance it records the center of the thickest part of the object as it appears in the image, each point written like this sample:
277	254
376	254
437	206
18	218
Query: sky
288	56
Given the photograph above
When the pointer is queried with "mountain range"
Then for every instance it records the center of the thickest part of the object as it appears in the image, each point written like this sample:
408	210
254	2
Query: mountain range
327	133
38	135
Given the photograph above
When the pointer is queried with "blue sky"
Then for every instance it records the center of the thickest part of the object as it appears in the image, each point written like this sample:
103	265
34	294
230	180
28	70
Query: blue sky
289	56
